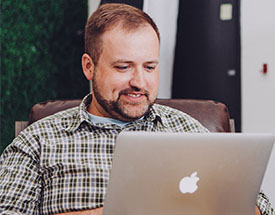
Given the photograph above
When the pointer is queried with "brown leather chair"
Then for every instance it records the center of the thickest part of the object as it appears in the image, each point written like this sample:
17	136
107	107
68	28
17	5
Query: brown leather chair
213	115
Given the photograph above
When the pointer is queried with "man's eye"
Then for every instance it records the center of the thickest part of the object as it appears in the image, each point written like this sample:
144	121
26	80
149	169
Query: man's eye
121	67
150	68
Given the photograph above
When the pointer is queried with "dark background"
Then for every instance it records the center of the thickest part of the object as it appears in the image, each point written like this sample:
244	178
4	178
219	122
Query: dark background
207	49
41	47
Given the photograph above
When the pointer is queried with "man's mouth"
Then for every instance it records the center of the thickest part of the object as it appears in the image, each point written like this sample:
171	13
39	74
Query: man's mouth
134	95
130	93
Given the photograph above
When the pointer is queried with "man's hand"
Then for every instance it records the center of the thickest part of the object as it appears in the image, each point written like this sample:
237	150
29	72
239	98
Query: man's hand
97	211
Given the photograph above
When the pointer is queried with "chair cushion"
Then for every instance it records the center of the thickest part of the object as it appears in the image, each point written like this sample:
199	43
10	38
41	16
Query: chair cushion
213	115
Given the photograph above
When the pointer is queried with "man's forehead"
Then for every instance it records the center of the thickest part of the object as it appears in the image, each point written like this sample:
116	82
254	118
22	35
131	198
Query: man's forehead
138	45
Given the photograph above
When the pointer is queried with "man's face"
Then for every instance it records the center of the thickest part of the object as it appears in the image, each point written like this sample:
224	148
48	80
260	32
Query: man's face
125	80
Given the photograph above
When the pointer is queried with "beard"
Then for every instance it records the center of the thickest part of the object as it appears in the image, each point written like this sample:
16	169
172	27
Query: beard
120	109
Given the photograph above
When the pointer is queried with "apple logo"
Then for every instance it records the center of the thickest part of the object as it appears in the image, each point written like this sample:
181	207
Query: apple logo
189	184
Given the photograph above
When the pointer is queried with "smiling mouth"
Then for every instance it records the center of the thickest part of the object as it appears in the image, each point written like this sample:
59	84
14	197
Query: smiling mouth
134	95
134	98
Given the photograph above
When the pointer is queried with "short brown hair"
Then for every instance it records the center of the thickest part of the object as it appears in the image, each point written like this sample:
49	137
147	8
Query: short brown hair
108	16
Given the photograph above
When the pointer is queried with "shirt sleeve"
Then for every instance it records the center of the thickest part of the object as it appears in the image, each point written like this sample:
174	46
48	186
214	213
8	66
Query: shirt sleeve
264	204
20	185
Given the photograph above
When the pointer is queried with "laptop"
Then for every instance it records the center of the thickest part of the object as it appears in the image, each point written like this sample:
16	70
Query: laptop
193	174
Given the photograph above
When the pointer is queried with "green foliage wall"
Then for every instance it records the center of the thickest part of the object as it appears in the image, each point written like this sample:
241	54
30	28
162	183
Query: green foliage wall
41	47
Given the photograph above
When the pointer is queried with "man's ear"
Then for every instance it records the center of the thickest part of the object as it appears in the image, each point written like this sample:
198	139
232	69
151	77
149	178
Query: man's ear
87	66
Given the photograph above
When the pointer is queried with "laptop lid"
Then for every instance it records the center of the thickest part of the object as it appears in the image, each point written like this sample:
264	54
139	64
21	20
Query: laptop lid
194	174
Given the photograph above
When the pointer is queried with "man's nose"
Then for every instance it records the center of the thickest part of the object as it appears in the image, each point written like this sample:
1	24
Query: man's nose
138	79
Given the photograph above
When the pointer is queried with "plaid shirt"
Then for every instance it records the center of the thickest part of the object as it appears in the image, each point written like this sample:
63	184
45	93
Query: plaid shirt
62	163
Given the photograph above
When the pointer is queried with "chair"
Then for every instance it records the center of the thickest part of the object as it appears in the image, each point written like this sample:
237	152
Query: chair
213	115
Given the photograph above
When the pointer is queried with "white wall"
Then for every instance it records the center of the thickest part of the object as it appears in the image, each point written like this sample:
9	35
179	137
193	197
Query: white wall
258	47
92	6
258	90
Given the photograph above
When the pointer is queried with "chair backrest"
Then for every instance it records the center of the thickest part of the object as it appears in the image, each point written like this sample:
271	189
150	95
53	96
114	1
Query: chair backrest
213	115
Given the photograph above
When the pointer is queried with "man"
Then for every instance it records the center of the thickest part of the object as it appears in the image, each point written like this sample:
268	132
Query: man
61	164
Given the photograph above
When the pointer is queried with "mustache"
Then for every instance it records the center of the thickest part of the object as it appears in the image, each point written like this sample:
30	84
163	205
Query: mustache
134	90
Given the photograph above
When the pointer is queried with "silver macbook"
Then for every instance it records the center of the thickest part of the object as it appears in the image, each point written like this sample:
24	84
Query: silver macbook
193	174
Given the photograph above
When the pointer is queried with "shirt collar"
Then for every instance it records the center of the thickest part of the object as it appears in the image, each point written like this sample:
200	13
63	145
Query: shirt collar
156	115
82	116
